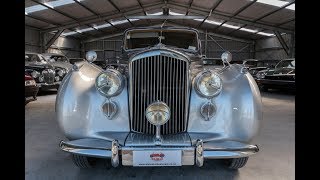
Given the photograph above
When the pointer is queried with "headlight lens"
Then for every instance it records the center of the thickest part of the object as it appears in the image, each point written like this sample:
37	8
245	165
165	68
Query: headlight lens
61	72
208	84
260	75
158	113
35	74
110	83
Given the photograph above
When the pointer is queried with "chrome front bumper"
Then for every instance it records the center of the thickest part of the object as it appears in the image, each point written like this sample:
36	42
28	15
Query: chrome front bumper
190	154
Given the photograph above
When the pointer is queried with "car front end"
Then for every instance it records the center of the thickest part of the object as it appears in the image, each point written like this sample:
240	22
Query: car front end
164	110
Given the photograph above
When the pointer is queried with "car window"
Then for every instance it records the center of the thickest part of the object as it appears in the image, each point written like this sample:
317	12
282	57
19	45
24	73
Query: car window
32	58
57	59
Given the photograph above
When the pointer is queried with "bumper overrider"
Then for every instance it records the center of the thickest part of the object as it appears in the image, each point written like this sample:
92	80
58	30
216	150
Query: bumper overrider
158	155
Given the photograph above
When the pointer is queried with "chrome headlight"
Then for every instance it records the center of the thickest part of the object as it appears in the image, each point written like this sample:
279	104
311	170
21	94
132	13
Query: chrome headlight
158	113
35	74
110	83
61	72
260	75
208	84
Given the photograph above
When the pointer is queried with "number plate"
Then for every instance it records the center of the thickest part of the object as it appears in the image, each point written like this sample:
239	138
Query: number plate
157	158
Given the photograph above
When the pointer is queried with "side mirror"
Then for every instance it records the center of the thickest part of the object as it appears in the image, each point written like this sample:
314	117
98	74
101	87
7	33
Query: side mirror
91	56
226	57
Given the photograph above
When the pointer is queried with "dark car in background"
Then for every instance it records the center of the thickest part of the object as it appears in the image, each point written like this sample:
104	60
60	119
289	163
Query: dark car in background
31	89
280	77
46	75
253	65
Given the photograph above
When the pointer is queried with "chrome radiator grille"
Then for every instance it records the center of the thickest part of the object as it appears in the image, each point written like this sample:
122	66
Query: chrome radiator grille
48	76
160	78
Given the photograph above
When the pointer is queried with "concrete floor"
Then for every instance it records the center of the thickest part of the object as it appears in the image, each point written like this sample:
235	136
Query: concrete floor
276	160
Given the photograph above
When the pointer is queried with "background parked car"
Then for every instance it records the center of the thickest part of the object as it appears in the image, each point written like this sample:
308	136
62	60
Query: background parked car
280	77
59	61
45	75
253	65
31	89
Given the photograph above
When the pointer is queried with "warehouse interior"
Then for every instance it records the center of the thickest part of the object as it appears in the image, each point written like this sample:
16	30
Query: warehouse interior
249	29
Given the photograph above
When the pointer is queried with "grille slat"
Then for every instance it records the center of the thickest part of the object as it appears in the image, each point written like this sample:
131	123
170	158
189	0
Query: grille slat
160	78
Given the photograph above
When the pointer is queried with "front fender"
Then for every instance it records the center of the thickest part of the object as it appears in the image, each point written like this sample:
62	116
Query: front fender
238	109
79	106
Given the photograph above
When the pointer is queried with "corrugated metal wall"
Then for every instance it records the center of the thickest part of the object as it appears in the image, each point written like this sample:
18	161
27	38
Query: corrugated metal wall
67	46
271	49
32	40
111	47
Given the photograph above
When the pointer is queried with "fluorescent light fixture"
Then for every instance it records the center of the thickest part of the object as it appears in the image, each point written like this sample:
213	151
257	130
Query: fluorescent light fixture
277	3
174	13
85	30
69	33
230	26
122	21
265	34
209	21
248	30
52	4
103	26
119	22
152	14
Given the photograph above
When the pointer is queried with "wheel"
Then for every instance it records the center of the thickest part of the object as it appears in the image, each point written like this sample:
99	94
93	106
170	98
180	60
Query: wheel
83	161
237	163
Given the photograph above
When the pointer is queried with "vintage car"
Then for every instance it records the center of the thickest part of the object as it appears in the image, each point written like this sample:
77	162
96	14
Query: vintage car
160	106
30	89
280	77
59	61
253	65
46	75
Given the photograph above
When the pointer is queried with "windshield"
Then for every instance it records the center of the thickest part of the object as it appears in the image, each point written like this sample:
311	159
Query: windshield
33	58
175	38
286	64
57	58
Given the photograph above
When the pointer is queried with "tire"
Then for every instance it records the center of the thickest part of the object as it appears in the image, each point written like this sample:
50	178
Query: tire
237	163
83	162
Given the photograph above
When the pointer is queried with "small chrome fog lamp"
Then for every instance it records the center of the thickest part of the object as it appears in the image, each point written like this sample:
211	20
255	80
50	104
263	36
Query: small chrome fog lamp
109	109
158	113
208	110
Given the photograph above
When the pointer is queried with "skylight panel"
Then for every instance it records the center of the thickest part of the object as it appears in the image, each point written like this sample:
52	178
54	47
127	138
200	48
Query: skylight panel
277	3
58	3
52	4
35	8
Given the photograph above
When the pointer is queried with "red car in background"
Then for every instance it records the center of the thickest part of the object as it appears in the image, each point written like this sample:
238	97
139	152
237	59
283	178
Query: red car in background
31	89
